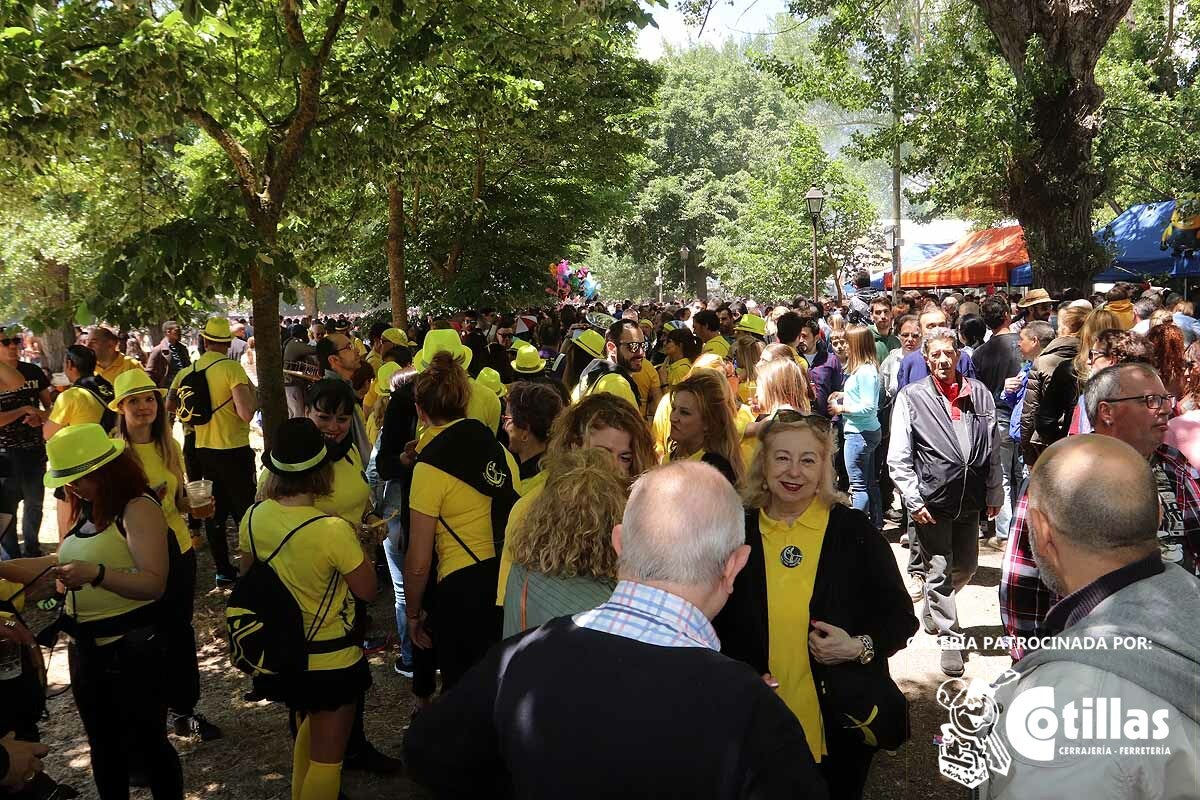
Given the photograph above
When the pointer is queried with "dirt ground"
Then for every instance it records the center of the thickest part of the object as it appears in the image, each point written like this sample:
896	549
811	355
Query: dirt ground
253	760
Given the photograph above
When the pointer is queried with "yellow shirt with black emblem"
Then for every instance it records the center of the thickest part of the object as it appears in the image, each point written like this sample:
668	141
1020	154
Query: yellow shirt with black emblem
165	485
226	430
307	565
76	406
436	493
792	553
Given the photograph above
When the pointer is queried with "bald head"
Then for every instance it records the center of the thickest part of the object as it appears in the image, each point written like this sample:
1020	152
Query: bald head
682	523
1096	509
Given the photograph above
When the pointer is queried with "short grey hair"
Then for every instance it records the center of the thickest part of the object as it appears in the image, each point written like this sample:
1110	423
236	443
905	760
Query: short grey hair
1039	331
1099	509
681	524
939	335
1106	384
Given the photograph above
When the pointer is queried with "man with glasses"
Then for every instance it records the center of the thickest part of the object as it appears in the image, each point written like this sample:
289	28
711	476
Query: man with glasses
1127	402
24	400
625	348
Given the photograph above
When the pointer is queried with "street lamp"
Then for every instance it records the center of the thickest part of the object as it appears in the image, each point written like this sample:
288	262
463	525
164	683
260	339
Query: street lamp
816	201
894	243
683	256
658	281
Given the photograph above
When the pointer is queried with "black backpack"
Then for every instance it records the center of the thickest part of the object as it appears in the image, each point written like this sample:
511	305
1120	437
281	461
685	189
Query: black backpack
102	390
195	399
263	620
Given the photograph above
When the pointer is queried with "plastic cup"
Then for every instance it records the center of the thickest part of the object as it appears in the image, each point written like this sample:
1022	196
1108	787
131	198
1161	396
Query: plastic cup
200	498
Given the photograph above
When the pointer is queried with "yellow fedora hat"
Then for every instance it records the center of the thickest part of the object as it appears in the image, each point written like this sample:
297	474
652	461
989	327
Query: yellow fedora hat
130	382
77	450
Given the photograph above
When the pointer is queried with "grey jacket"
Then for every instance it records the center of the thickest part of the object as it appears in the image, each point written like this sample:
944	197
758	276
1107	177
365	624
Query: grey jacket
951	467
1162	674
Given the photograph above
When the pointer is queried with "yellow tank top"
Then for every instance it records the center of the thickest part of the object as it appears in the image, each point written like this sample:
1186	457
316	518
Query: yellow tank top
107	547
165	484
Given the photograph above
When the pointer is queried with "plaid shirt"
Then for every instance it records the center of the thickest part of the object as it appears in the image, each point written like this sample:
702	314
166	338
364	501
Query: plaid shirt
1025	600
651	616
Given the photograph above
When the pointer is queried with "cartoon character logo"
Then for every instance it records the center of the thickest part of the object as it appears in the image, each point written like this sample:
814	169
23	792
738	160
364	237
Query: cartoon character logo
969	748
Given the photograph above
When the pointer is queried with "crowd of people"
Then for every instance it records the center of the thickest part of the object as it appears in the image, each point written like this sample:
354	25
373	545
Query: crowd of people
696	492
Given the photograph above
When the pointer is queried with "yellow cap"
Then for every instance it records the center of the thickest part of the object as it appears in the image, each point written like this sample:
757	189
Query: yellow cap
615	385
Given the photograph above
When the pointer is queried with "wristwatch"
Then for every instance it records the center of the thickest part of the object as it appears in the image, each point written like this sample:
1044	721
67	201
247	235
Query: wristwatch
868	652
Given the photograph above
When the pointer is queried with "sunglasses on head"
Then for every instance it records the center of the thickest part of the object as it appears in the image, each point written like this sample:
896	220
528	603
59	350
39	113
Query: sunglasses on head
10	340
791	415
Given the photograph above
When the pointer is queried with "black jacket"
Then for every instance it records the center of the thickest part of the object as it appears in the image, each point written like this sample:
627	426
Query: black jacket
858	588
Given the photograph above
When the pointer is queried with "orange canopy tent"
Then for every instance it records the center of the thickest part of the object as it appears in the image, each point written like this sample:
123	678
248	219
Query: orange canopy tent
980	258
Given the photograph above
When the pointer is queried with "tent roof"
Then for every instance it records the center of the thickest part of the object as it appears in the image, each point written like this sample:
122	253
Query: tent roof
978	258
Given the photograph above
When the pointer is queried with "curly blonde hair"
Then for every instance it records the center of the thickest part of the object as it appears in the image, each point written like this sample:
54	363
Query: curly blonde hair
568	530
756	493
571	428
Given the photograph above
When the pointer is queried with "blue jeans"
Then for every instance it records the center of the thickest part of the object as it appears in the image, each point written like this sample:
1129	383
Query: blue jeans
1012	472
394	548
859	454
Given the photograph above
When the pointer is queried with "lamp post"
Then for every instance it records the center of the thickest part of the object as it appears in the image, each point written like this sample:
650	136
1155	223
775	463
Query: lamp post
658	281
816	201
684	252
894	243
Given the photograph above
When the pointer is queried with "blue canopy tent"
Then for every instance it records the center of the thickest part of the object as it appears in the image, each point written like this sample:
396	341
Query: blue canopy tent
1134	237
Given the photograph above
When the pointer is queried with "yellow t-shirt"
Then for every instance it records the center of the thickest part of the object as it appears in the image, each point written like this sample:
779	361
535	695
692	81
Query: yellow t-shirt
165	484
374	359
789	592
122	363
484	406
351	493
646	380
359	347
226	430
76	406
717	345
306	565
749	444
516	518
678	370
661	426
436	493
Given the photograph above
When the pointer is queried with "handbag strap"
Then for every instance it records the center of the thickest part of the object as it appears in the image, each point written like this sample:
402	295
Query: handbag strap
524	600
461	543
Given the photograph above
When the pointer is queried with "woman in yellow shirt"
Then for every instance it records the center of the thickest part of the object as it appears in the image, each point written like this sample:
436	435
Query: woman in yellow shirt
681	348
85	400
463	486
820	603
144	426
702	426
319	559
114	564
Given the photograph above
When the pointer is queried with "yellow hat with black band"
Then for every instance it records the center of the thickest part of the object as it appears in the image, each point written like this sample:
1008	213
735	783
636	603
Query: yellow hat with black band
77	450
397	336
442	341
217	329
591	343
132	382
752	324
489	379
528	362
298	449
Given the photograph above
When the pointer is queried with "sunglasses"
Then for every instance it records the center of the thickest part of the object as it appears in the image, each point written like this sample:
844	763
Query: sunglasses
11	341
634	347
791	415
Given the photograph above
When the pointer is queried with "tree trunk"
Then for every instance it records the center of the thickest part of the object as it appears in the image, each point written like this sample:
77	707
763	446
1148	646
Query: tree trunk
55	342
1052	49
268	352
308	297
395	253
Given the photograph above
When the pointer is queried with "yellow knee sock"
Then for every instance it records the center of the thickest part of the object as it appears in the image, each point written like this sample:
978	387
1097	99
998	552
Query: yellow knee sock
300	760
322	782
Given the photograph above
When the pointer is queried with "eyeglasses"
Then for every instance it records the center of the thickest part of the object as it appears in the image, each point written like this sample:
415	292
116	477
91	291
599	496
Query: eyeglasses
1094	354
1153	401
634	347
502	335
11	341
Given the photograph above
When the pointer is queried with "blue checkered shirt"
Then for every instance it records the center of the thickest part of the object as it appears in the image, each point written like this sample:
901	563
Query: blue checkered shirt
651	616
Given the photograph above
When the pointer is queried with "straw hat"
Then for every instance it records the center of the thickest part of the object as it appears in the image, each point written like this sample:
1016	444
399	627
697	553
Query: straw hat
489	379
383	378
1034	298
216	329
591	343
442	341
77	450
528	362
299	448
131	382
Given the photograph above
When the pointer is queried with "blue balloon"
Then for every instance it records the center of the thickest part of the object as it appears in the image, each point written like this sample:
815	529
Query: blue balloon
589	288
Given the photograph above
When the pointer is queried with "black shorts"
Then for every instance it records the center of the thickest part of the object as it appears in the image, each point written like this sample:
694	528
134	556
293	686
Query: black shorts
317	689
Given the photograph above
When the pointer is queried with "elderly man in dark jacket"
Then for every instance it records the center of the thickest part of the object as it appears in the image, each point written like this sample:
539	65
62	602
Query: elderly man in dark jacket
944	459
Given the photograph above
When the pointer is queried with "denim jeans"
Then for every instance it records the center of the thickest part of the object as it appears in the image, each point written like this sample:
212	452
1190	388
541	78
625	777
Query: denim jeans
859	453
1012	473
23	486
394	548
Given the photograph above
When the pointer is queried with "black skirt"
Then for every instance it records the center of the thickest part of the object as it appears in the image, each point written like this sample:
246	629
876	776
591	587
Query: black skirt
317	689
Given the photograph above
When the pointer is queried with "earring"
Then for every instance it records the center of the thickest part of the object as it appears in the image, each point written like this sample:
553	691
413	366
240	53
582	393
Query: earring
765	485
